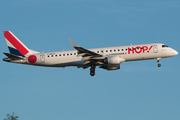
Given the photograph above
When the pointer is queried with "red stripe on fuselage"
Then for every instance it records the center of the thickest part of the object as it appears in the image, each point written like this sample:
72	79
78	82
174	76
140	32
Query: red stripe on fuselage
15	43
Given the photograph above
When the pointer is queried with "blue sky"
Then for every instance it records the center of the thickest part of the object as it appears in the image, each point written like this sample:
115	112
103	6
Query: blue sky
139	90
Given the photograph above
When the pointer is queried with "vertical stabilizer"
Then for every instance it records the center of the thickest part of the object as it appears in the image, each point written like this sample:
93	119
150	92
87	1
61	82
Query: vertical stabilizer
15	46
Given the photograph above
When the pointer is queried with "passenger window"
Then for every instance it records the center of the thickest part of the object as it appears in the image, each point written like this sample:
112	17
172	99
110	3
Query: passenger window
67	54
48	55
118	49
59	54
63	54
97	51
56	55
114	50
74	53
52	55
71	53
122	49
126	49
106	50
110	50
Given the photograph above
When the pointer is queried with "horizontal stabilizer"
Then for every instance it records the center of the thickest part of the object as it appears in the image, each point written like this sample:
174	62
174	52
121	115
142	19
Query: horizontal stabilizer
13	57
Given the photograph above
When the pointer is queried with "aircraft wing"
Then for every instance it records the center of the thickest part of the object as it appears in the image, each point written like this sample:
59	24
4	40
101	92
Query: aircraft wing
87	55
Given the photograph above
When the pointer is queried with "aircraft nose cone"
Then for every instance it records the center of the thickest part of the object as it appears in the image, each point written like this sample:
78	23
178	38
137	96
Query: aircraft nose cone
175	52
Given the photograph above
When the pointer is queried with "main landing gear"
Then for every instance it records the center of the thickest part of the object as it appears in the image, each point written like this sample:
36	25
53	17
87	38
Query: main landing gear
158	60
92	70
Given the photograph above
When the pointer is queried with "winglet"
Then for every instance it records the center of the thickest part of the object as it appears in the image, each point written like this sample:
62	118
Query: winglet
74	45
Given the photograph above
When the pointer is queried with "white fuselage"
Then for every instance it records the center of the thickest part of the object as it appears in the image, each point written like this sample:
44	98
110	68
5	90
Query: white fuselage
128	53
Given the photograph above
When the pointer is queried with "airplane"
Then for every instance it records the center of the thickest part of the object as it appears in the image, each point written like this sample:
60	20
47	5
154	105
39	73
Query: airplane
108	58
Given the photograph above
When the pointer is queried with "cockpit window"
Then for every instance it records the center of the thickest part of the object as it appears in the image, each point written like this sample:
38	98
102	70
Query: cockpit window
165	46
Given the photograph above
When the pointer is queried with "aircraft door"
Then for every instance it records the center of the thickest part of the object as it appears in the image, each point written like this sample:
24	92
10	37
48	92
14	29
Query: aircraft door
42	57
155	47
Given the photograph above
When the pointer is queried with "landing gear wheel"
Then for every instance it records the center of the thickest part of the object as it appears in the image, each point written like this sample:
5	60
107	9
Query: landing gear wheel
159	65
92	70
92	73
158	61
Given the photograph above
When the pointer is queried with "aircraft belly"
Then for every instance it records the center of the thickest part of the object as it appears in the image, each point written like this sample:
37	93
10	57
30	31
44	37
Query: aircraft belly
74	63
62	62
141	56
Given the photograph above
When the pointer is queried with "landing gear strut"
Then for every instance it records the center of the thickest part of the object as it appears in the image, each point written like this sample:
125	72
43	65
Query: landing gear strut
158	60
92	70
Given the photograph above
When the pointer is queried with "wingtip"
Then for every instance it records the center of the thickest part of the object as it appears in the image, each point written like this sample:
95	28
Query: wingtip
70	40
74	45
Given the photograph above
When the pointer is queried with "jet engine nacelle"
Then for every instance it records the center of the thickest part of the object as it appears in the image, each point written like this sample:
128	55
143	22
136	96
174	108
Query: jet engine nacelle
113	60
113	67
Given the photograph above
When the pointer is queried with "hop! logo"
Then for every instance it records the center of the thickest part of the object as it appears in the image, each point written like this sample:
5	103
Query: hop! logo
139	49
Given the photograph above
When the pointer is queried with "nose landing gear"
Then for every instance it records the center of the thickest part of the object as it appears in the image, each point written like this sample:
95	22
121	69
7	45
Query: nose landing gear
158	60
159	65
